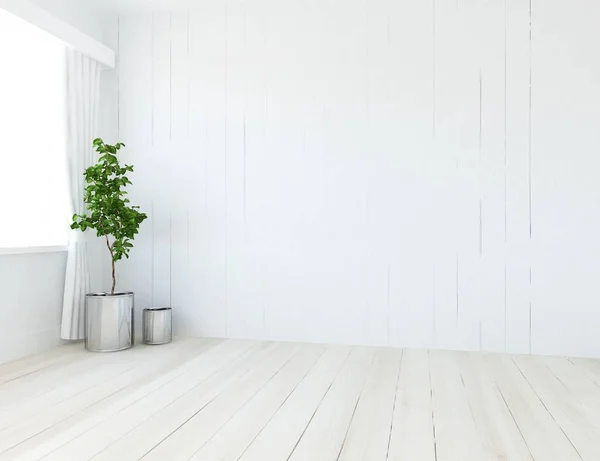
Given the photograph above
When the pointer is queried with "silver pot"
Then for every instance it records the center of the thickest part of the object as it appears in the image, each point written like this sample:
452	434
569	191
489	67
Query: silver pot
157	325
109	321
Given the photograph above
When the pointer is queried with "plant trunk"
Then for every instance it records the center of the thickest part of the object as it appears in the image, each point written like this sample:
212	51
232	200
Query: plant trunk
112	260
114	280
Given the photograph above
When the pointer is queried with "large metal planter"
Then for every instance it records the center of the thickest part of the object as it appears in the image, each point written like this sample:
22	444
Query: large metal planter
109	321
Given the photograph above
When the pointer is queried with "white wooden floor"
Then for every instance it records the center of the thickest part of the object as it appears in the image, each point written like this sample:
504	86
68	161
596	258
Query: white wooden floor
234	400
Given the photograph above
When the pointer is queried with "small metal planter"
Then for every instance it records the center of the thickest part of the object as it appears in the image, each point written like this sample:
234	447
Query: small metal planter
157	325
109	321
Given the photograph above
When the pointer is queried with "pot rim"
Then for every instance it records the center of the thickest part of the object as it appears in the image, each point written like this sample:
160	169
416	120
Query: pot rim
105	294
157	309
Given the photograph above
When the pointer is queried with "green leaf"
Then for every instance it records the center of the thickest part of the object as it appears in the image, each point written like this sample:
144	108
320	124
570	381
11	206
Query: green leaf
109	213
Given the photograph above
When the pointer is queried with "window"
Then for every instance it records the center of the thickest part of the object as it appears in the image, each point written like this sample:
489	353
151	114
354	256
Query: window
33	175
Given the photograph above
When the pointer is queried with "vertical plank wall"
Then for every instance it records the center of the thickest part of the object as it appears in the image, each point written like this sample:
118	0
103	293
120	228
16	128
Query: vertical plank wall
411	173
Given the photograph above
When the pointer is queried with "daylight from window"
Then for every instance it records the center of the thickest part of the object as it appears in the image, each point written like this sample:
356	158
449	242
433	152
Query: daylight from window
33	185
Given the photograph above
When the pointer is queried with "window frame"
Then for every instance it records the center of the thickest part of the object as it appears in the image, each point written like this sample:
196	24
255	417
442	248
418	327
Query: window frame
4	251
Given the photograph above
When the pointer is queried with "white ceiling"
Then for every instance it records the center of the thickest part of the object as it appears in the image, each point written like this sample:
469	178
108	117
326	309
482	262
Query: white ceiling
125	5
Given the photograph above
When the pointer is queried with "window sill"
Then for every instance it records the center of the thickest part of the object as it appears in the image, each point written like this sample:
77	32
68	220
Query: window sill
32	250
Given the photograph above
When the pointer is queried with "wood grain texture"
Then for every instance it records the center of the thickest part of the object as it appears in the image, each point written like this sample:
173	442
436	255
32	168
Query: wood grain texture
217	400
402	175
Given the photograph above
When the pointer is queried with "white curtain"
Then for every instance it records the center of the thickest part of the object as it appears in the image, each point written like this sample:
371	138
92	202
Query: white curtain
83	85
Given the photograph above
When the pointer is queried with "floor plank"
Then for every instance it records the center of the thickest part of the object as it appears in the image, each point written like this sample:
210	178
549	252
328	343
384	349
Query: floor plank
412	431
238	400
43	380
456	435
27	366
58	425
494	423
544	437
578	424
233	439
369	433
197	430
74	381
279	437
149	434
325	434
588	367
148	402
582	389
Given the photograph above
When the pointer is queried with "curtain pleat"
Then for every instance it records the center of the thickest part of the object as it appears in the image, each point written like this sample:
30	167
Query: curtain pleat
83	88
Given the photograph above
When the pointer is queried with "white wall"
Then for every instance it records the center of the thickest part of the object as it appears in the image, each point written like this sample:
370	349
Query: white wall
379	172
32	299
32	295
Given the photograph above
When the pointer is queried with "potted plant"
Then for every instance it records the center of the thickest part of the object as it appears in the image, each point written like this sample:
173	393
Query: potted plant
109	316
